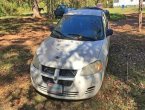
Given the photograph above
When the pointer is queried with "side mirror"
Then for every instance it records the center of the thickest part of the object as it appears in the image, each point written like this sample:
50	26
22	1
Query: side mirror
51	28
109	32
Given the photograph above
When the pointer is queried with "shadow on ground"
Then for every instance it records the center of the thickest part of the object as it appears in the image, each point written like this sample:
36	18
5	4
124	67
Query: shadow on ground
16	25
14	58
127	62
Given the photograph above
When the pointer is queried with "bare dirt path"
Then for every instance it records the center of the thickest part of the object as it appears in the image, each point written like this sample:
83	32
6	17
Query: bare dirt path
123	87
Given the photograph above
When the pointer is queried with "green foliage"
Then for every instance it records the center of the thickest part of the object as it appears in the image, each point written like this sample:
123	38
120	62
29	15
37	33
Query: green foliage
82	3
18	7
14	7
7	8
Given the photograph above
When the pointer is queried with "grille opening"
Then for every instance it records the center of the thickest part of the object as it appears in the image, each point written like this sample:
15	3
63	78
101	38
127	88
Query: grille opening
48	70
65	83
60	82
63	94
67	73
62	72
46	79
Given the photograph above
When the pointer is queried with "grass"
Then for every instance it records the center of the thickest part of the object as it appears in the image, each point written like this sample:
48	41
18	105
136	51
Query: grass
119	13
133	78
128	10
115	17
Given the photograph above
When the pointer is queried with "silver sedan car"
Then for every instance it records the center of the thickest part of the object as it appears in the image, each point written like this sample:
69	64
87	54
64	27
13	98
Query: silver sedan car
71	62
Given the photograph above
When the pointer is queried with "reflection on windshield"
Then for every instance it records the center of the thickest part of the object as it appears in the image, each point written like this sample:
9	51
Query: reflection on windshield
79	27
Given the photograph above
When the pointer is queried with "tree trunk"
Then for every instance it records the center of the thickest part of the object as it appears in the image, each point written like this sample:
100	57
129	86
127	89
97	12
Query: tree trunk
36	11
140	14
50	8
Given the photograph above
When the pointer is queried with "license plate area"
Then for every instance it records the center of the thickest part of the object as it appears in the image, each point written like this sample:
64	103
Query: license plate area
54	88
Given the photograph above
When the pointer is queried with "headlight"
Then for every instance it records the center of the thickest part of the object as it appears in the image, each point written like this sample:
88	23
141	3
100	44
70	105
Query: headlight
35	62
92	68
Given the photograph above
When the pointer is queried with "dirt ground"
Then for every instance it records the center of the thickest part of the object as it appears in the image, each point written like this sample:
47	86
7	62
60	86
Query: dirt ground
123	86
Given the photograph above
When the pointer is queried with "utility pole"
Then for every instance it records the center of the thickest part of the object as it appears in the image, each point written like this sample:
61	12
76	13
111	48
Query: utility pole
140	14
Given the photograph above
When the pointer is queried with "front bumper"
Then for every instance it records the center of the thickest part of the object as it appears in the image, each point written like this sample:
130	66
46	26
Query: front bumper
83	87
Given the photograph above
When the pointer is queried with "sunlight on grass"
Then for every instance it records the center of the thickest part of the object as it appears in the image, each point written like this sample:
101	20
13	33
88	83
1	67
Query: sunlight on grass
7	61
5	67
123	11
119	13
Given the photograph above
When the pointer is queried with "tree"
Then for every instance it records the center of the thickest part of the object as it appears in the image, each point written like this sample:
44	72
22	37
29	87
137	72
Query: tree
36	11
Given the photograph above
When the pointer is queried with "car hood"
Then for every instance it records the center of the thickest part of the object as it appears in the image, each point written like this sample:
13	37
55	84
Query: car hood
68	54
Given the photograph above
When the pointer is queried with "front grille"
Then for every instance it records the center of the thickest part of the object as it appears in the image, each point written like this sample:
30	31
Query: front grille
63	73
60	82
48	70
67	73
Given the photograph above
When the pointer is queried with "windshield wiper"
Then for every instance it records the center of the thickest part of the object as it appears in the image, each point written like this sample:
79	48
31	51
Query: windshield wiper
60	33
80	37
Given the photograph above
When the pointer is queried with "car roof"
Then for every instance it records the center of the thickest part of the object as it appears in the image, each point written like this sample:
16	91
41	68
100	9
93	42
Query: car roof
85	12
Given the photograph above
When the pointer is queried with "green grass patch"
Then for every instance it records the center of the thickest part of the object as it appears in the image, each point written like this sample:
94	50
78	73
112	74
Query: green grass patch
128	10
119	13
115	16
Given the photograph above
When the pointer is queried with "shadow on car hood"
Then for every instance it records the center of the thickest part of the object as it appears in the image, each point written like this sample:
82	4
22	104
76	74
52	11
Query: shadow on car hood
68	54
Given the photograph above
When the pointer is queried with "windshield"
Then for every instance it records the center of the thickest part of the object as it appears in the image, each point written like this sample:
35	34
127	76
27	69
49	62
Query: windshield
79	27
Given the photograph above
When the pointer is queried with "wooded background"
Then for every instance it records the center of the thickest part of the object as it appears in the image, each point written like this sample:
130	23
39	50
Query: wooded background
17	7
